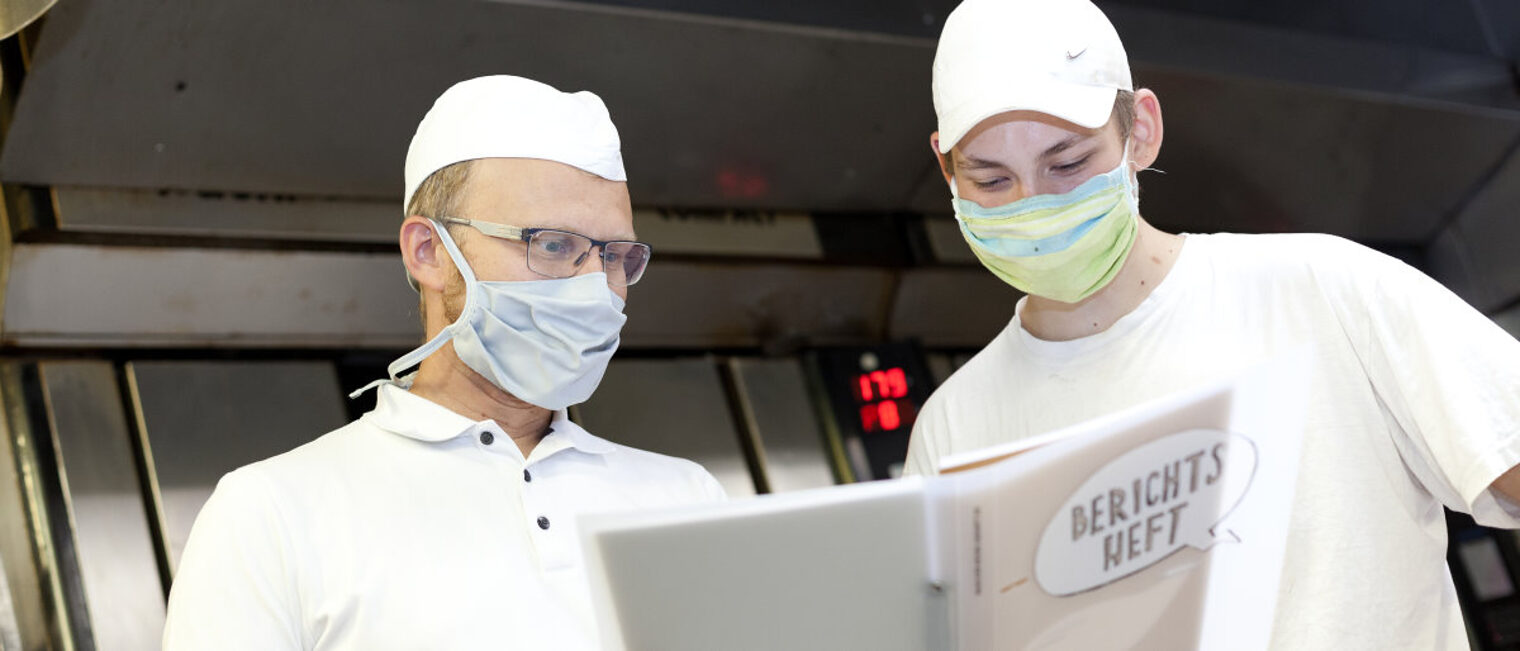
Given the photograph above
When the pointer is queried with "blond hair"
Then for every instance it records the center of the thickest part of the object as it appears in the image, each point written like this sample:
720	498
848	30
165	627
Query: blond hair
439	195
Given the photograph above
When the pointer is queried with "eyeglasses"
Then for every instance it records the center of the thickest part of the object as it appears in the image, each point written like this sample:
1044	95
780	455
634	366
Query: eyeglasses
559	254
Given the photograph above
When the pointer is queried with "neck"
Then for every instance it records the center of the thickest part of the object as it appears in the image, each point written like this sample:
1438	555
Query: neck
447	381
1148	263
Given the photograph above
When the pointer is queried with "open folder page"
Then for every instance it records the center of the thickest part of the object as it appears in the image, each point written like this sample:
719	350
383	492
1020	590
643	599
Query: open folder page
1160	527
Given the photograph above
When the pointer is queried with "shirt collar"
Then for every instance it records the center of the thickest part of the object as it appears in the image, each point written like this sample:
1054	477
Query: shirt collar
580	439
402	412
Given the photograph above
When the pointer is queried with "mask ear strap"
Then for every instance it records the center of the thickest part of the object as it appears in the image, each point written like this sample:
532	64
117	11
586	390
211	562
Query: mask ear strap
1131	179
420	353
471	288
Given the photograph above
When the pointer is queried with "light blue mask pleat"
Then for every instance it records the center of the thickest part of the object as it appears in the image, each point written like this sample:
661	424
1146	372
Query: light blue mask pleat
1012	248
971	210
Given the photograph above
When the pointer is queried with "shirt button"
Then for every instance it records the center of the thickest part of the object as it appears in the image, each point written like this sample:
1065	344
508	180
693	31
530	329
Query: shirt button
543	522
486	438
527	476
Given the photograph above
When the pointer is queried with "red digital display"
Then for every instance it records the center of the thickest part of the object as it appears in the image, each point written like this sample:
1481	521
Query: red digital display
881	385
881	393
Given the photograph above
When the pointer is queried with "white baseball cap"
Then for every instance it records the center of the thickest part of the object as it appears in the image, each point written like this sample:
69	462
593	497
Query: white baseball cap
502	116
1058	57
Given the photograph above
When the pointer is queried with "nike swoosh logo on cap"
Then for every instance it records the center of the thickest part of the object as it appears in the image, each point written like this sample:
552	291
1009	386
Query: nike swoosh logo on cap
1070	56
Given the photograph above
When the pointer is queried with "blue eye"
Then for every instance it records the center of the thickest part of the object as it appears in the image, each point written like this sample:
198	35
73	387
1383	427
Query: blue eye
555	245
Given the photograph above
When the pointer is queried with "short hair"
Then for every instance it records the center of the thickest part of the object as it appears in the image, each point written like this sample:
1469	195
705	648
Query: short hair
439	195
1124	112
1122	116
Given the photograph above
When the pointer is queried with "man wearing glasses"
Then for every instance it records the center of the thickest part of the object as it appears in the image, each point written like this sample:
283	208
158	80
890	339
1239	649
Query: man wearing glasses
445	518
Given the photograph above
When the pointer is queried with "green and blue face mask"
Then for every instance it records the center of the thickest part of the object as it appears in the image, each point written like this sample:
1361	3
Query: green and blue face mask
1064	247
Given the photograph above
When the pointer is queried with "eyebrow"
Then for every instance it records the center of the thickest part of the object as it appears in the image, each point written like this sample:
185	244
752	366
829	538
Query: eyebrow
1068	143
974	163
556	226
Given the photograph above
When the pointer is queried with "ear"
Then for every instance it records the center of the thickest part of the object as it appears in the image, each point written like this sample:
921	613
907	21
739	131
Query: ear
1146	134
940	158
423	253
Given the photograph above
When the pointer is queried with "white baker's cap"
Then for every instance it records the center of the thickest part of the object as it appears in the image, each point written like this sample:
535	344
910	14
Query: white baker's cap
502	116
1058	57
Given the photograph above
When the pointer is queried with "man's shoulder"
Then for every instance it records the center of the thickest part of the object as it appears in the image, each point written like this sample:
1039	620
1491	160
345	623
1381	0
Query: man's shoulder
663	473
322	449
1278	249
1286	250
1327	263
994	365
655	463
986	385
321	457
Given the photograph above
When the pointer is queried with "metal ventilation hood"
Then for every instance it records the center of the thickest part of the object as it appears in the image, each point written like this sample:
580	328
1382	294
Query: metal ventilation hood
1278	120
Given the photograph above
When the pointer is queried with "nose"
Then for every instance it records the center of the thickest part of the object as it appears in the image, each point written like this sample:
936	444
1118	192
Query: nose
580	263
1020	191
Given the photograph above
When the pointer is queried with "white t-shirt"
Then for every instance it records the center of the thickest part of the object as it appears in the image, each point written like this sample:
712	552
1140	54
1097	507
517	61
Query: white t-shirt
1415	404
412	528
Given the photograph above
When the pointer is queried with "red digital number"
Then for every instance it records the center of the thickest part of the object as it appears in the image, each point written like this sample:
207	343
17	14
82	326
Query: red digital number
898	380
869	419
890	419
883	416
885	386
891	383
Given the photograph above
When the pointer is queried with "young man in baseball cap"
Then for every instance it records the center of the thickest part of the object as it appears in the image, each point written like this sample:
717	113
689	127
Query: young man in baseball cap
1416	396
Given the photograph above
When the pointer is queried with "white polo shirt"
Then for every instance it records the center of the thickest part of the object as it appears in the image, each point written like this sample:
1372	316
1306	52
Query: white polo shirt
412	528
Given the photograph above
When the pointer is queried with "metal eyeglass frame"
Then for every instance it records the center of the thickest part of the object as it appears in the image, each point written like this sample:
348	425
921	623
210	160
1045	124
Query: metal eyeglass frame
525	235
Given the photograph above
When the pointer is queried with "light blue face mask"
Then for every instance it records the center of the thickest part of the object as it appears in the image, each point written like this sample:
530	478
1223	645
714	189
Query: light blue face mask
547	342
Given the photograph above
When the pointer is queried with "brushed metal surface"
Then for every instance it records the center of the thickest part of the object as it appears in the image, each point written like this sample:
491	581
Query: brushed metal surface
946	241
202	419
951	308
712	114
671	406
218	214
17	14
940	367
284	217
119	572
705	305
10	628
1271	128
1488	229
72	295
795	456
241	299
729	233
25	578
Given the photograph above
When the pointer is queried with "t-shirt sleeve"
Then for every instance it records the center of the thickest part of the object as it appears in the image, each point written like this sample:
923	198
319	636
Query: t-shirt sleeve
1449	377
233	588
709	488
925	443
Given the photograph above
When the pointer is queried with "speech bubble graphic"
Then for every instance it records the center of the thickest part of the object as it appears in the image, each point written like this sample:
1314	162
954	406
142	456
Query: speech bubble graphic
1144	506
